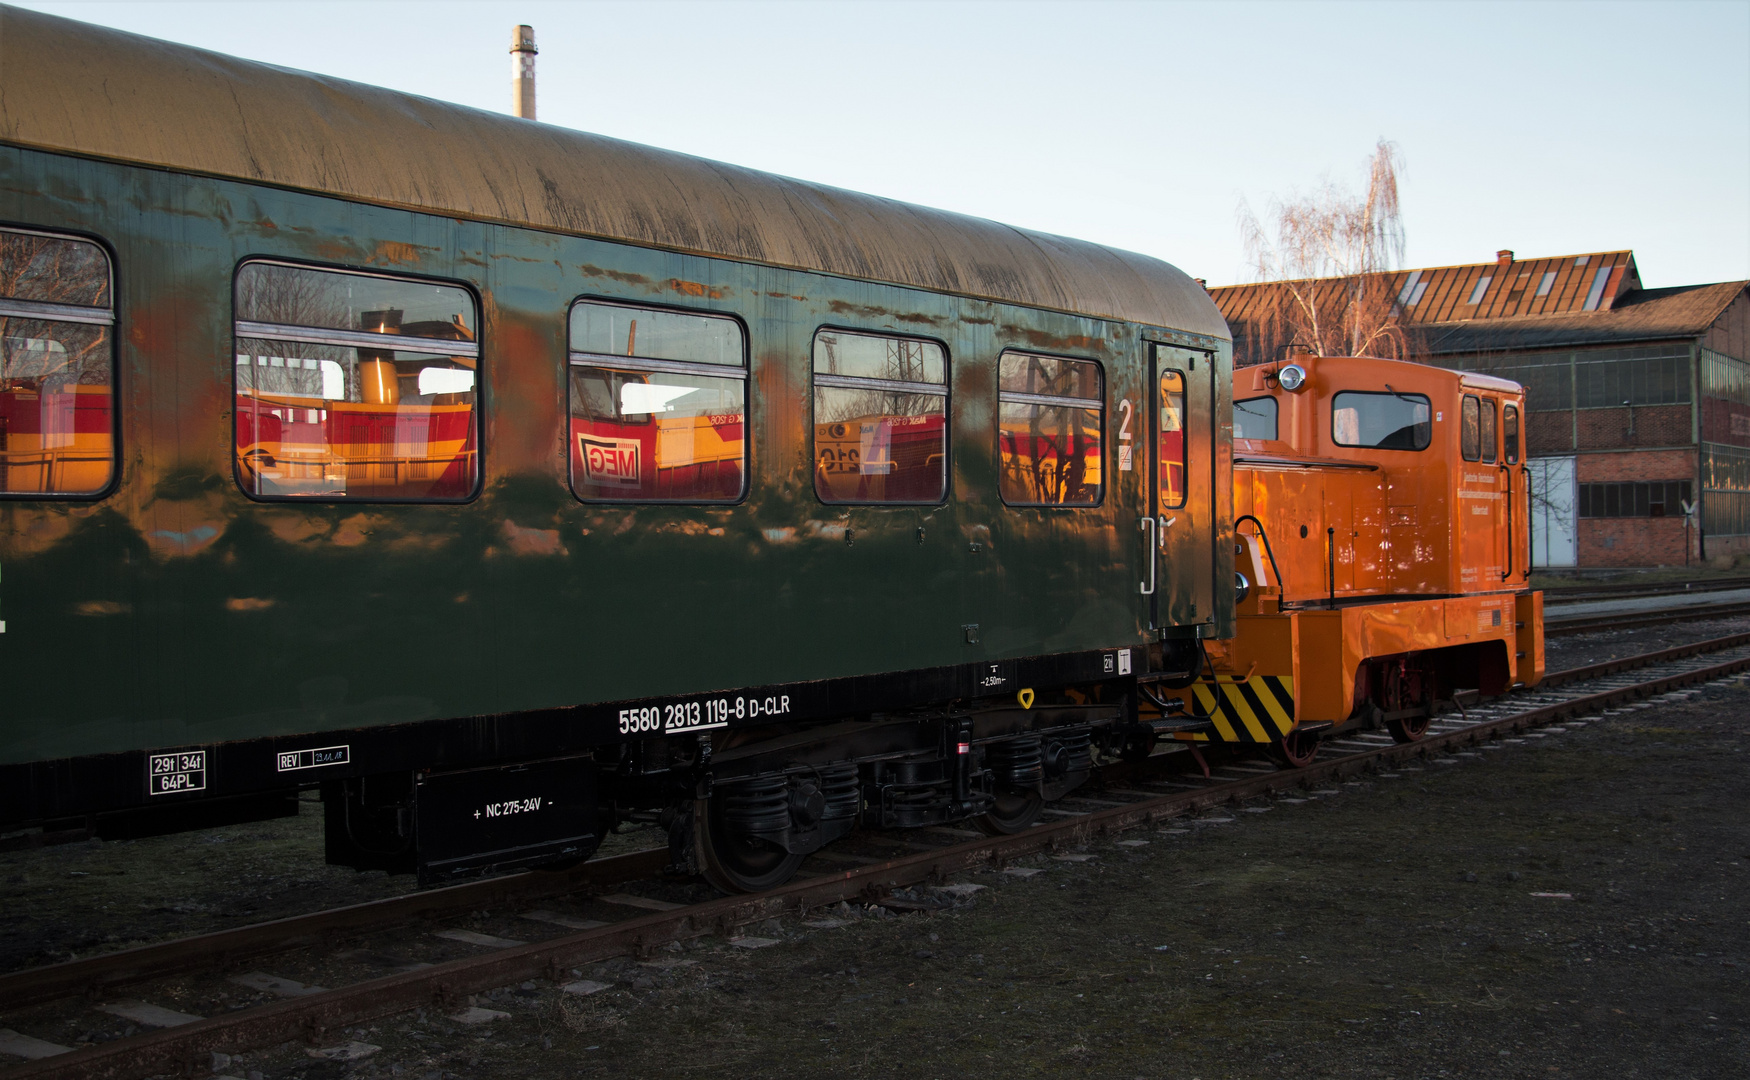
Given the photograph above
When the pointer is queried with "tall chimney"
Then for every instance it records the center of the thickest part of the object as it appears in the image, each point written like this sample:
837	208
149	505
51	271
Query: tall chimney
522	72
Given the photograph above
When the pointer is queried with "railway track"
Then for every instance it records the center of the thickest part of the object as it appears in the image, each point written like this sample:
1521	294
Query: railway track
866	868
1624	590
1587	624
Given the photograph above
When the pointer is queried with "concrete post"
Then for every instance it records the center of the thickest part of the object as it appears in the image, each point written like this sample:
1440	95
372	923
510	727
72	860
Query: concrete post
522	72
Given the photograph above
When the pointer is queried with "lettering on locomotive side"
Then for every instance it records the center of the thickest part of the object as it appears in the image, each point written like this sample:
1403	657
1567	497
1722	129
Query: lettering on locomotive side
168	774
609	461
700	714
509	807
292	760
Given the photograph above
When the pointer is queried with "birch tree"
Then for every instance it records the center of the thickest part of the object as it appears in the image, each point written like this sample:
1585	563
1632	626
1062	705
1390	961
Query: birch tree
1331	255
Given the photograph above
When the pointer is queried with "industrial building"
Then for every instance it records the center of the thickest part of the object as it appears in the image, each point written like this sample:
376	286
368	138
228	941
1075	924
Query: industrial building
1638	400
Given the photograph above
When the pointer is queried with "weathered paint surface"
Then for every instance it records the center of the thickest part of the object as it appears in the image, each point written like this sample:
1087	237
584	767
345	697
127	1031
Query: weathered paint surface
129	98
176	611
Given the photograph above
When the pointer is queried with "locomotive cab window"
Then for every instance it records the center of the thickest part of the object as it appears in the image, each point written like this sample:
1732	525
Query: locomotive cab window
880	419
1051	417
57	366
1171	415
1510	434
354	386
1381	421
1255	418
1486	430
1470	429
658	405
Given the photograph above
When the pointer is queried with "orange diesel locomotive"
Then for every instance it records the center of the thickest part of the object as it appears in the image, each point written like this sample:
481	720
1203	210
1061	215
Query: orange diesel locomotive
1383	546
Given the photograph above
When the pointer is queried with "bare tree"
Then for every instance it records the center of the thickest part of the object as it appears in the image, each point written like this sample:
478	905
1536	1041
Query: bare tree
1330	257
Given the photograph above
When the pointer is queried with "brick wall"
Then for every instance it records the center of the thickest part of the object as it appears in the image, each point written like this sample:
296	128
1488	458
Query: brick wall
1655	425
1549	433
1635	465
1635	542
1725	422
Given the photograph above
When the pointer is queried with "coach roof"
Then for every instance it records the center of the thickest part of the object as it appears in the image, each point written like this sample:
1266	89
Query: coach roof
120	96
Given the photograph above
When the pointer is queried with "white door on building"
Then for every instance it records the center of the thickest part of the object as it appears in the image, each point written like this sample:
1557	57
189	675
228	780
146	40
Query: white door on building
1553	508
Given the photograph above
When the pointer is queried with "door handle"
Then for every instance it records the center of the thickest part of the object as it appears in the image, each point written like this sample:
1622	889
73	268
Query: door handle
1148	526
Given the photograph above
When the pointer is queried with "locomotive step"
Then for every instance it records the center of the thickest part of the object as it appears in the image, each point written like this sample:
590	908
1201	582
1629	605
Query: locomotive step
1196	725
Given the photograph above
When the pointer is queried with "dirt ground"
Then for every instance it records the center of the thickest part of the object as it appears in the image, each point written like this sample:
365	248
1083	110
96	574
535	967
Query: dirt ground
1387	928
1572	905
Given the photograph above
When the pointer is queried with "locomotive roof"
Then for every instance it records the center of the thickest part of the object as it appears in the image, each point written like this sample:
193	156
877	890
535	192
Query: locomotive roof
120	96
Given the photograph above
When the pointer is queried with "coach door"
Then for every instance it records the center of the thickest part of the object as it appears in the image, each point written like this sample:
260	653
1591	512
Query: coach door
1181	487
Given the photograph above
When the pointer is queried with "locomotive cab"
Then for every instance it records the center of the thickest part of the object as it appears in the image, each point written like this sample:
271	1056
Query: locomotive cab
1381	512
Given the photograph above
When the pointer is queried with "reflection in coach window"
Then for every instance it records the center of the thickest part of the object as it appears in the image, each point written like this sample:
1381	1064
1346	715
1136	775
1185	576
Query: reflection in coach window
57	367
658	405
354	386
880	431
1051	416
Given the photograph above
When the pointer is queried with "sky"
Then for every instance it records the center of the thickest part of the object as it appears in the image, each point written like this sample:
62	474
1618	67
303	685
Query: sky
1550	128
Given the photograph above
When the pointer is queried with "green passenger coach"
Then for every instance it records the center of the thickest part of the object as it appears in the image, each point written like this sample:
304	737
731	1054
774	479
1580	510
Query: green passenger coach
503	481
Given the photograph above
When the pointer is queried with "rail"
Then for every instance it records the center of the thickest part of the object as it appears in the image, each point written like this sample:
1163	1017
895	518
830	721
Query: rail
308	1017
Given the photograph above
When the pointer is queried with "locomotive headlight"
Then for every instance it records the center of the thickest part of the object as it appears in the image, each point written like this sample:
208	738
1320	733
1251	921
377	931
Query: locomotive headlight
1292	377
1242	588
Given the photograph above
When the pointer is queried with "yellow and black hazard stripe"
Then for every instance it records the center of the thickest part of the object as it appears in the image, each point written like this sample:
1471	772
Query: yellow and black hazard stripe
1255	710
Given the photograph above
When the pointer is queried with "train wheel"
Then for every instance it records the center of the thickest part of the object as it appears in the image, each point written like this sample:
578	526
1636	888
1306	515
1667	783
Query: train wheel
1296	749
1409	730
1014	812
735	863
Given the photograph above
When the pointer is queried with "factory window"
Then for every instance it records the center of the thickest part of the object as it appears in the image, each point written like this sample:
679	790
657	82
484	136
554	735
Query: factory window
1470	439
1476	294
880	419
1172	436
1050	418
1634	499
57	366
658	405
1377	421
1255	418
1543	285
1510	434
1487	430
354	386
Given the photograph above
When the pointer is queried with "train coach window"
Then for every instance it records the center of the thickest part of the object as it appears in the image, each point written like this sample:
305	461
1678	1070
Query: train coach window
354	386
658	405
1051	416
1510	434
1172	439
1376	421
1255	418
1470	429
880	424
1486	431
57	366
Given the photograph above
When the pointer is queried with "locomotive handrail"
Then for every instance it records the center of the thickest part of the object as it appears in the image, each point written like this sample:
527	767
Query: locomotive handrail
1530	545
1509	571
1306	463
1264	536
1331	564
1148	525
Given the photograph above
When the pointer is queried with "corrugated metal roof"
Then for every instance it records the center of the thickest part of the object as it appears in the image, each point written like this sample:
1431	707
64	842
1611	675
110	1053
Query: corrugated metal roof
1444	293
1648	315
1514	304
119	96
